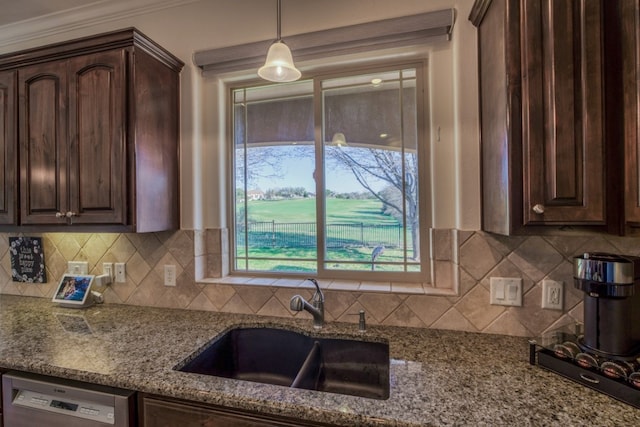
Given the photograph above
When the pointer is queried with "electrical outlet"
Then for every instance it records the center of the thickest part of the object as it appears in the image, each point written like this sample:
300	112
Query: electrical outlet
552	294
121	272
169	275
506	291
78	267
107	268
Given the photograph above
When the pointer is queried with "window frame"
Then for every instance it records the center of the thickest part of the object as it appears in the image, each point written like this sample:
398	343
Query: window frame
425	275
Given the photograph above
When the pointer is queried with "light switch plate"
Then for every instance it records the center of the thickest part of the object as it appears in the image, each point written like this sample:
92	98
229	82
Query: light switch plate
78	267
506	291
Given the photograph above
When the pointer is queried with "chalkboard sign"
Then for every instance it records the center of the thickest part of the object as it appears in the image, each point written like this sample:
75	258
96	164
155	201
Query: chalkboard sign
27	259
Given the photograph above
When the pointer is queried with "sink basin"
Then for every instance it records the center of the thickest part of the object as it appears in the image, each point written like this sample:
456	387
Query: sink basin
291	359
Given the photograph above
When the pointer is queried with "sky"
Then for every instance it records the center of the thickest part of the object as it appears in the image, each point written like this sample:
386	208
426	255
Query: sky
298	172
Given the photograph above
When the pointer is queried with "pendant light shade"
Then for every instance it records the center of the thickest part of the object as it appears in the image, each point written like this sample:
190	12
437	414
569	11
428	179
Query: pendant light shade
338	140
279	66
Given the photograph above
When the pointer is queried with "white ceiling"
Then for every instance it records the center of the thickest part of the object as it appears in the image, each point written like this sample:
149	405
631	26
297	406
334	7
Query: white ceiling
14	11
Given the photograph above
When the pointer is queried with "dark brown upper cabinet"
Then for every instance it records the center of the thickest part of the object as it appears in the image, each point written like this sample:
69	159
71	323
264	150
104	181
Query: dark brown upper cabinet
98	135
560	114
629	13
8	148
542	114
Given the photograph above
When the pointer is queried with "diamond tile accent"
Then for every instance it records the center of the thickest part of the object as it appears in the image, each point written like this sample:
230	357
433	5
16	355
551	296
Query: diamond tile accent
254	297
532	316
201	302
379	305
480	256
403	316
453	319
236	305
137	269
219	295
428	309
122	249
508	324
68	247
273	307
536	258
474	308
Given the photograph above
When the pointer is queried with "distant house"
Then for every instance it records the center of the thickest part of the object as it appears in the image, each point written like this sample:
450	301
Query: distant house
255	195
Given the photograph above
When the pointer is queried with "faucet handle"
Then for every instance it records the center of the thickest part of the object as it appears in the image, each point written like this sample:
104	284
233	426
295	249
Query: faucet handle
362	323
296	303
318	296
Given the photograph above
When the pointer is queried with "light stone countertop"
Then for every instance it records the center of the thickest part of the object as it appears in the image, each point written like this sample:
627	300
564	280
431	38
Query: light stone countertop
438	378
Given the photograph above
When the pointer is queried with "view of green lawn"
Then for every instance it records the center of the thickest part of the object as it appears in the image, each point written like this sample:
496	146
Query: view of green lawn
276	249
304	210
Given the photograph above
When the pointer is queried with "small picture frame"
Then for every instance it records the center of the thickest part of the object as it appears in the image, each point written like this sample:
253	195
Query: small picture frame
74	291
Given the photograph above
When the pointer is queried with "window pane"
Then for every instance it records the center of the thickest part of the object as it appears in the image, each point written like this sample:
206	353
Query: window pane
371	218
275	223
366	144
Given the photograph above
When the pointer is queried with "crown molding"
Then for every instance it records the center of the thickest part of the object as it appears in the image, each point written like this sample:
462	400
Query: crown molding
79	18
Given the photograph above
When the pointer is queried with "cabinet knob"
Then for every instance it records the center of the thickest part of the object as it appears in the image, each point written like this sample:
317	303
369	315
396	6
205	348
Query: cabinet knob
538	208
71	214
60	215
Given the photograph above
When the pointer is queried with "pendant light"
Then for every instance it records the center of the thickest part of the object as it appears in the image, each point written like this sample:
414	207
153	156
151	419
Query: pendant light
279	65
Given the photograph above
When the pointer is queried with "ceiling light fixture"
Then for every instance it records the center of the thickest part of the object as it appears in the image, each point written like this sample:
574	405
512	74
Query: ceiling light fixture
338	140
279	65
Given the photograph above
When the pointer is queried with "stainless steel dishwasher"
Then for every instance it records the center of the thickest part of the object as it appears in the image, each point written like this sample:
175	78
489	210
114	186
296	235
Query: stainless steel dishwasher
32	400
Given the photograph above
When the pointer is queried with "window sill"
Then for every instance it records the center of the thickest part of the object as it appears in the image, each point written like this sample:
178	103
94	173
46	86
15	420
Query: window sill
334	285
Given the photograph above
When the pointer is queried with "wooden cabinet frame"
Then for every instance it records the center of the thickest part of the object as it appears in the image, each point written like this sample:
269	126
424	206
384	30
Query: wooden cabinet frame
99	136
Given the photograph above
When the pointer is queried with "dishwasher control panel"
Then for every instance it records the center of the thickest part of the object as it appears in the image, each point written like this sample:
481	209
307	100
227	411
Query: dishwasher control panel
77	408
30	400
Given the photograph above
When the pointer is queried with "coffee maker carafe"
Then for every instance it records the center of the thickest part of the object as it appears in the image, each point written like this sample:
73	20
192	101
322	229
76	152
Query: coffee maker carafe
611	302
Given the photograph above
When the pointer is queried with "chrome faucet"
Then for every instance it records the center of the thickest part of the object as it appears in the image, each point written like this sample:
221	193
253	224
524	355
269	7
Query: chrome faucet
316	308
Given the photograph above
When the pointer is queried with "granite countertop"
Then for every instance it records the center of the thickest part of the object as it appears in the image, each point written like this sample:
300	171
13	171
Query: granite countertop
438	378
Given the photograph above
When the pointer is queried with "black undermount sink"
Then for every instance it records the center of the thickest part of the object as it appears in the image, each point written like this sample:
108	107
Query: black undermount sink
287	358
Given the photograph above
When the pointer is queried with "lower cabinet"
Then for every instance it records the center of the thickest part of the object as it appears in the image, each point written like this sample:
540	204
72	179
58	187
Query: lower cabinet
156	411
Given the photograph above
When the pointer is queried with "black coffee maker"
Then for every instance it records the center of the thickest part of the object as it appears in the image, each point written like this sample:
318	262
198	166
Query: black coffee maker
611	286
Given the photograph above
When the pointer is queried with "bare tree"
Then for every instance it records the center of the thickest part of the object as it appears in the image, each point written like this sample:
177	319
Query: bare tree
400	171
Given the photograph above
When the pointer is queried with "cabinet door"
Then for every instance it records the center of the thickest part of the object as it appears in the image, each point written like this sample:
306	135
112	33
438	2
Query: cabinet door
97	173
562	81
631	97
44	156
8	148
165	413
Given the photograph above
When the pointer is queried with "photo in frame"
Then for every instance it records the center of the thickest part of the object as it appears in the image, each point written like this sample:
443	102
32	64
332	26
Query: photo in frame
74	290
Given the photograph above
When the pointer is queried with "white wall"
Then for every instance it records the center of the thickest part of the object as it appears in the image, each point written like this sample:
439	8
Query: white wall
185	28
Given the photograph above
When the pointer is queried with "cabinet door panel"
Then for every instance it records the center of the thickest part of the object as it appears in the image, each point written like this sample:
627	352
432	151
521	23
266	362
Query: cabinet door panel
164	413
8	147
43	142
631	86
97	140
563	112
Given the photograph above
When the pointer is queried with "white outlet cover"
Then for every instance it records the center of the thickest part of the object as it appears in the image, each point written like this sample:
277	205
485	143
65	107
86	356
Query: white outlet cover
121	272
170	275
552	294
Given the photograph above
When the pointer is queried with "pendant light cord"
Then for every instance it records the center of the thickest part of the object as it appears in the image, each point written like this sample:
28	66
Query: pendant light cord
279	19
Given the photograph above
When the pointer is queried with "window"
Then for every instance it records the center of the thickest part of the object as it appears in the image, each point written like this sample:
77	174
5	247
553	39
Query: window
327	177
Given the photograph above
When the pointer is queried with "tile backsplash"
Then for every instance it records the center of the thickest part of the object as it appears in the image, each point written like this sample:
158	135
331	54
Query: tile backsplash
477	257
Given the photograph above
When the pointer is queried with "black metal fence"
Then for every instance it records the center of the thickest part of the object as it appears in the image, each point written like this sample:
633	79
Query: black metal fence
303	234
